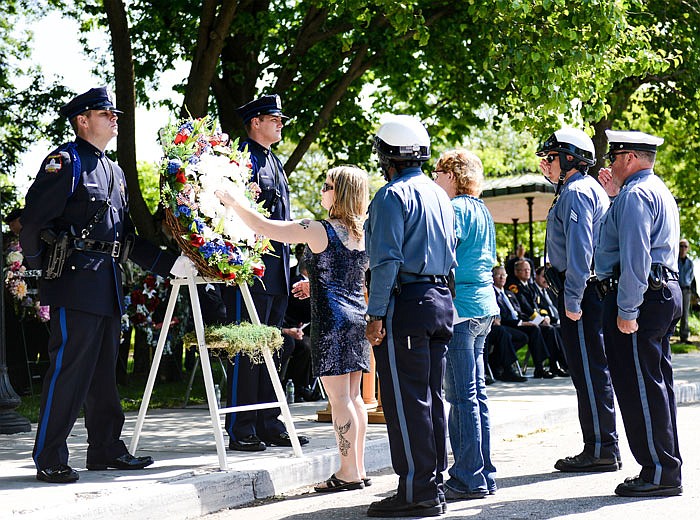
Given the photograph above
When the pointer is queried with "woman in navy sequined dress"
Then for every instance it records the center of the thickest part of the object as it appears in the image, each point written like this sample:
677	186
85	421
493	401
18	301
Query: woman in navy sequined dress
337	261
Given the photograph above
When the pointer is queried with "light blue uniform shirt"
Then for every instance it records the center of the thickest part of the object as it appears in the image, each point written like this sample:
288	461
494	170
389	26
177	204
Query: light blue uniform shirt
410	228
685	272
641	228
476	255
573	226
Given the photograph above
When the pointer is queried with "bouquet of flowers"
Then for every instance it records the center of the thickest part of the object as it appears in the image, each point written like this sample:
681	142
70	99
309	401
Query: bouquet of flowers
198	161
24	297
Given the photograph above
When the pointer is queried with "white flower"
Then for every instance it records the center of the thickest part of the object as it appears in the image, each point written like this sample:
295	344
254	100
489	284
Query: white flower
235	228
14	256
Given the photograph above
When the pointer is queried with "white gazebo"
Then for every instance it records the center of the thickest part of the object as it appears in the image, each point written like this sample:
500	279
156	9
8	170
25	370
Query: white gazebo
519	198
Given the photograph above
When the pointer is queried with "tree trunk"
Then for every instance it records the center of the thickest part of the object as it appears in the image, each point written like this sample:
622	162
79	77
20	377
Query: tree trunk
213	30
126	101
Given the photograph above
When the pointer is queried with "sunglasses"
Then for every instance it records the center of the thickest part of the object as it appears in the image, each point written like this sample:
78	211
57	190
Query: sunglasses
612	156
551	157
434	173
326	187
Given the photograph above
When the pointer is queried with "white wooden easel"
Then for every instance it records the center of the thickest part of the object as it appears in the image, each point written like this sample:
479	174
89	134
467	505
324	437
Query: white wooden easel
192	280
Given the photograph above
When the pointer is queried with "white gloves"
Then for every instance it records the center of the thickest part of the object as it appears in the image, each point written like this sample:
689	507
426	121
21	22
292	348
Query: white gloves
183	267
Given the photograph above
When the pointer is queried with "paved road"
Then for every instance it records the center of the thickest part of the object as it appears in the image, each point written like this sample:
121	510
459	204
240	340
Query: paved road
529	486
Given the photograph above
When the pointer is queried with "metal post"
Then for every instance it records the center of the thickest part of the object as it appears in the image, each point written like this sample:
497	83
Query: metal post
10	420
530	201
515	235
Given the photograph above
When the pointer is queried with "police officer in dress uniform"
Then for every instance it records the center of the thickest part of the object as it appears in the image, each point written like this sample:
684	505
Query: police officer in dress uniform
636	259
249	382
77	213
411	242
573	226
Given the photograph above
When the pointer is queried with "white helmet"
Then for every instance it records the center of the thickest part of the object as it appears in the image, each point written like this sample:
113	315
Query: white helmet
571	141
402	138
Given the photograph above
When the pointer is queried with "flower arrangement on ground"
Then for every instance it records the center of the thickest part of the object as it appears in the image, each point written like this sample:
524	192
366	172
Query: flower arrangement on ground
198	161
145	300
24	296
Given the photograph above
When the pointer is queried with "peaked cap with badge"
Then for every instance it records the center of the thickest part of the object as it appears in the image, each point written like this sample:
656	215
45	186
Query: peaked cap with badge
632	140
265	105
94	99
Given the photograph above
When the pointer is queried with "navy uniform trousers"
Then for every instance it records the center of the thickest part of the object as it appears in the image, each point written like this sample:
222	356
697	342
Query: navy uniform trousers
80	343
642	376
411	366
585	355
250	383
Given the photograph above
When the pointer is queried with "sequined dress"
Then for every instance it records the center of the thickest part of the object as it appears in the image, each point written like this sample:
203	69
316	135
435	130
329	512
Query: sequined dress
336	278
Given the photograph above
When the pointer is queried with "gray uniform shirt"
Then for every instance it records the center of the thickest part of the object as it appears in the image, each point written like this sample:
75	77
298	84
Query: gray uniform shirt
641	228
573	226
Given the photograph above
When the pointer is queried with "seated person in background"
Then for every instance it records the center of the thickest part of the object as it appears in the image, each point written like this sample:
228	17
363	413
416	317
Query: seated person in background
500	348
510	265
511	318
528	298
546	298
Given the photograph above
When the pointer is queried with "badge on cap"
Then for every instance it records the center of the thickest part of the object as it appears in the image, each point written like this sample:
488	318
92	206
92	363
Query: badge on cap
53	163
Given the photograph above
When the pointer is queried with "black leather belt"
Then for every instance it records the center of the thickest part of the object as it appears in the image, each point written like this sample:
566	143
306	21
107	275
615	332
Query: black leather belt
406	278
98	246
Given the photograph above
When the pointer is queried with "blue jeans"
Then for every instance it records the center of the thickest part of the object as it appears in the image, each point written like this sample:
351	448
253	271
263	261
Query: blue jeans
469	424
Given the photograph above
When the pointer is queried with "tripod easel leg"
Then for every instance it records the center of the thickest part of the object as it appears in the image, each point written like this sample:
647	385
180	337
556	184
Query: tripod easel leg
272	370
154	368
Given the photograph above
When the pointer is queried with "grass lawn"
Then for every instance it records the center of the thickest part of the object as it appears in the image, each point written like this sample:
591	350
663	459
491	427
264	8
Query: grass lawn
165	394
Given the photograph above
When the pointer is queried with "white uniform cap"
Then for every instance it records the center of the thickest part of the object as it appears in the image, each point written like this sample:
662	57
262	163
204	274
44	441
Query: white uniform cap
632	140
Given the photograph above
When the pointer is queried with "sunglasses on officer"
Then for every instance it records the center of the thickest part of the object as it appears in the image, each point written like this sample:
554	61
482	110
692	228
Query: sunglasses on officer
612	156
550	158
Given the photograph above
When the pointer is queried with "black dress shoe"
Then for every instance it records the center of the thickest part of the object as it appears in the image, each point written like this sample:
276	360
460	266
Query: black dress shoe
559	372
393	507
637	487
126	461
542	373
249	443
488	380
283	439
585	463
58	474
511	377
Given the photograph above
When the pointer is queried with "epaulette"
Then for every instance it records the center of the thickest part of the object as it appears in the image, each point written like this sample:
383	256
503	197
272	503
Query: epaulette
513	288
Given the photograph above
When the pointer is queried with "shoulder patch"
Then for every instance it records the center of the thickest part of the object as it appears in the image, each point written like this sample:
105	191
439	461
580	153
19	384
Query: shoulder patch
513	288
56	161
53	163
574	216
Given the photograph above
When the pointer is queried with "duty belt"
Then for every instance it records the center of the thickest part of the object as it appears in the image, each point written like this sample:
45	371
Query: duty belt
608	285
406	278
98	246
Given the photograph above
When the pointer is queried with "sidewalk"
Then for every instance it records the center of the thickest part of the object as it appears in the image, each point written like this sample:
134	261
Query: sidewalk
185	481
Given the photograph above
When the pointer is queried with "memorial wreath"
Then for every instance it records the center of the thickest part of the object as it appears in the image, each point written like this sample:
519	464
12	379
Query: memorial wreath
198	160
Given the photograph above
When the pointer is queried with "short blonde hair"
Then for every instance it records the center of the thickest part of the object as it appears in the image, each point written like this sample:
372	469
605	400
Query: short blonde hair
351	197
466	168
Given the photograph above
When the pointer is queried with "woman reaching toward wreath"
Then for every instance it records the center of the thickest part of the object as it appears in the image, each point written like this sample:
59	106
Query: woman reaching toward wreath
336	259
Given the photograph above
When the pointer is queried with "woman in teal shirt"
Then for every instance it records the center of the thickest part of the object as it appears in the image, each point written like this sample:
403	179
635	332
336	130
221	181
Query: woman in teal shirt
460	174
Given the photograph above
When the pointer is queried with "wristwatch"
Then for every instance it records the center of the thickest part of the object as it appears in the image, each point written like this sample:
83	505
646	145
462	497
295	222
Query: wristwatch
369	318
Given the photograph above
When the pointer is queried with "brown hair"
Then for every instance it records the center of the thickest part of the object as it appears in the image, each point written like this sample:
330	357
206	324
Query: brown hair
466	168
351	187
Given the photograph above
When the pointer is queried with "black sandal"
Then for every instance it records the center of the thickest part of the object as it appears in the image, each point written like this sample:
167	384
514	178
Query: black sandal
334	484
367	481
